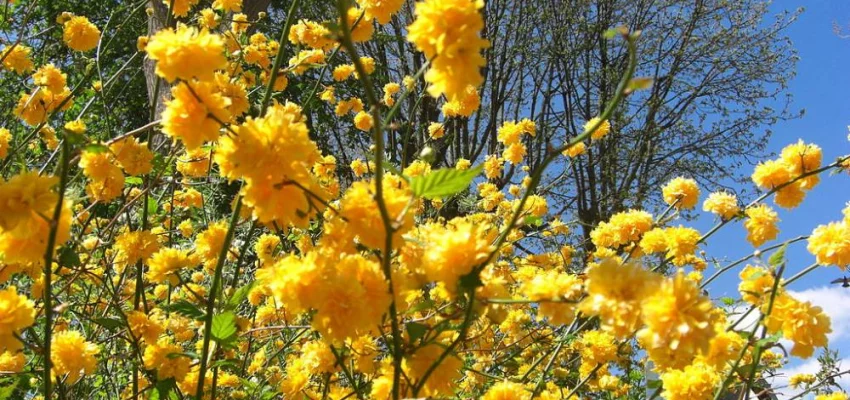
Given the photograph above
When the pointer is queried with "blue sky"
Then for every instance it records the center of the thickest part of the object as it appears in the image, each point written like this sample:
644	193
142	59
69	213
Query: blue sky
821	88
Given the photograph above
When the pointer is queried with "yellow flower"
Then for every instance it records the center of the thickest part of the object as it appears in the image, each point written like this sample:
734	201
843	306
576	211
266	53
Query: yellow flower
342	72
493	167
801	158
830	244
165	264
756	284
50	77
228	5
208	19
623	228
134	157
311	34
694	382
382	10
363	121
601	131
722	204
12	361
390	90
442	380
5	138
186	53
359	207
194	120
596	347
801	322
76	126
167	359
281	138
761	224
240	24
615	293
209	243
436	130
452	251
798	380
575	150
770	174
506	390
679	323
80	34
147	328
34	108
180	8
71	354
447	31
682	192
194	163
467	104
353	295
681	243
514	153
17	58
16	313
360	24
24	201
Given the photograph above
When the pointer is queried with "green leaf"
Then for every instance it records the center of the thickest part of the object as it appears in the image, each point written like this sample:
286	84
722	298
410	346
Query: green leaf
224	327
653	384
415	330
133	180
533	220
96	148
151	206
7	388
778	257
69	258
443	182
239	295
185	309
728	301
769	340
109	323
163	389
639	84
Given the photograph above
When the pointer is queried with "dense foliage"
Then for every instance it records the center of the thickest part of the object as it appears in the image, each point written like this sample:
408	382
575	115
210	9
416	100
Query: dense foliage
241	203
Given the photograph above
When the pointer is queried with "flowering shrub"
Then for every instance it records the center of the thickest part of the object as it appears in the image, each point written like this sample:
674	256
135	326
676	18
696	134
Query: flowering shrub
124	277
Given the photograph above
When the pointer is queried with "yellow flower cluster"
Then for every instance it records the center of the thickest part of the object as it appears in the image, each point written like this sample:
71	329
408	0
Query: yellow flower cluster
448	32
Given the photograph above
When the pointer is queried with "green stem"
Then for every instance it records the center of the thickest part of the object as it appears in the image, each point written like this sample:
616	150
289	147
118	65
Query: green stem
208	317
48	268
278	59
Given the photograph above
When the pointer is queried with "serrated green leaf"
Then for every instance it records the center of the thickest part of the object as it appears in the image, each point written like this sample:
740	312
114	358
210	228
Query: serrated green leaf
224	327
239	295
185	309
778	257
415	330
443	182
728	301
